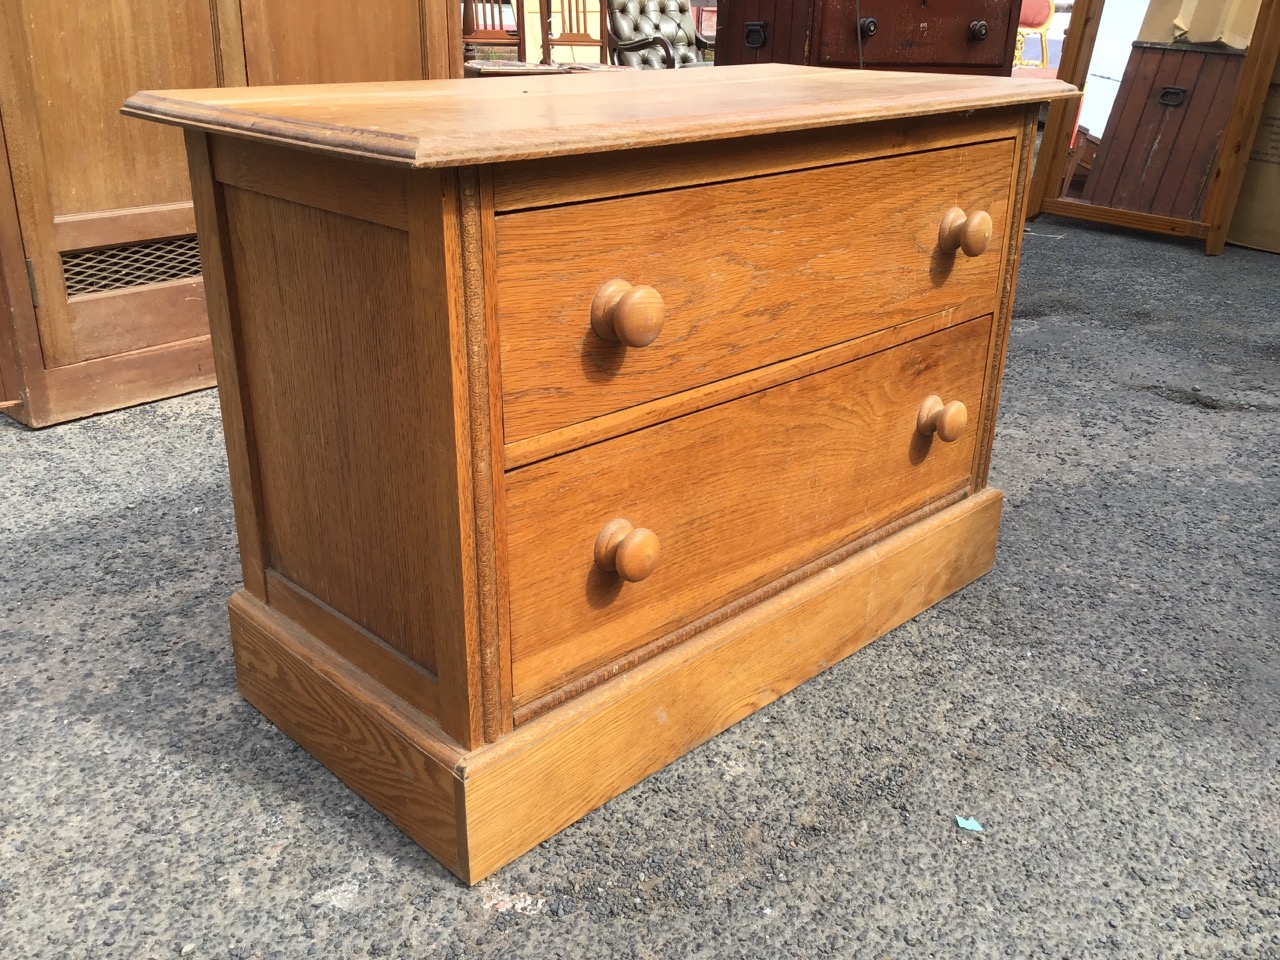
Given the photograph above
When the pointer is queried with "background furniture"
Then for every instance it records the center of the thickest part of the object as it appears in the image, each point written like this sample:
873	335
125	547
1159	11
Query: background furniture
572	24
103	304
1033	18
654	34
952	36
495	25
1172	157
764	451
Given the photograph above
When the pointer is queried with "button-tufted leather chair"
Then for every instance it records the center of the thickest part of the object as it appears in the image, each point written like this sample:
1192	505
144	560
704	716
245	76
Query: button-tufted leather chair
654	34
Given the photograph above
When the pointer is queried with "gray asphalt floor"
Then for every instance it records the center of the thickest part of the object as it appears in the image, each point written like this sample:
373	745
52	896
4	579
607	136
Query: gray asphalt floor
1106	703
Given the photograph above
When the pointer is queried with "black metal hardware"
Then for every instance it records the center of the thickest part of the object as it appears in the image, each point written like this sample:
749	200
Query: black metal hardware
756	35
1173	96
867	27
978	30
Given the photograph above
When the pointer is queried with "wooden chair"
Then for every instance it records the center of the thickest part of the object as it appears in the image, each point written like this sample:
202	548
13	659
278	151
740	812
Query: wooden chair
654	34
492	23
572	23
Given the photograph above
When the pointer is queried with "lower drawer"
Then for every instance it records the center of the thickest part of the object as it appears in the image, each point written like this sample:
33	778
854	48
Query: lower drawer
733	497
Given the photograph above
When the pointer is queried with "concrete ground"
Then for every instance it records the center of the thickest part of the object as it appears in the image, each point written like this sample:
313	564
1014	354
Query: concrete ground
1106	702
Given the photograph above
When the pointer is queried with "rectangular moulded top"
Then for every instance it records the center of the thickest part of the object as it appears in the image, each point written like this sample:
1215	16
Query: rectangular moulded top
450	123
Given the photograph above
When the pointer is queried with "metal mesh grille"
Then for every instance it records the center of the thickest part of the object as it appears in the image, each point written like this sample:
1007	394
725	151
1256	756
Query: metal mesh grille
114	268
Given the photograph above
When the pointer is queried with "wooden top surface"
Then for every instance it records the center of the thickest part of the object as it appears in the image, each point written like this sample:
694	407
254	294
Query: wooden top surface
446	123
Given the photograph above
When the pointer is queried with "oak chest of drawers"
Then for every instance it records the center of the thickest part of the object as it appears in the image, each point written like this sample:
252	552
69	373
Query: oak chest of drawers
572	419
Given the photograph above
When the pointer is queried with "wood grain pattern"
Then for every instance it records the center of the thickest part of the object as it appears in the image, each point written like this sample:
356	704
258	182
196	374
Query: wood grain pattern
120	380
93	56
332	41
443	508
1187	174
353	190
384	664
694	628
221	298
105	228
342	478
645	414
373	741
456	122
1174	226
537	183
831	478
730	277
598	746
475	215
228	28
121	321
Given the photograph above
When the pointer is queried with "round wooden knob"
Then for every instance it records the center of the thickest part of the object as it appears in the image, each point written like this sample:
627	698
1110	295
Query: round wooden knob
947	420
627	314
968	232
631	552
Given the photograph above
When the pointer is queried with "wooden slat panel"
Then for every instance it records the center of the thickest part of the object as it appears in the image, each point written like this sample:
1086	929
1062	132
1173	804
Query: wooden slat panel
842	457
134	318
332	363
595	748
1165	202
861	240
108	228
1146	144
122	380
1124	116
1197	182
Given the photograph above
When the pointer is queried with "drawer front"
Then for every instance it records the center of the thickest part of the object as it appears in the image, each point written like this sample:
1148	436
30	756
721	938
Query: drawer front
905	34
749	272
734	496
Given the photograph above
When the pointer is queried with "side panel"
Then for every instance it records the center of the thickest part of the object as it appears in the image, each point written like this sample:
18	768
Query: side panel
344	369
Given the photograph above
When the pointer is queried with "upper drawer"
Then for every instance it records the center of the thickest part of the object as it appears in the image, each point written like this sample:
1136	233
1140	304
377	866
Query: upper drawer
749	272
735	496
941	32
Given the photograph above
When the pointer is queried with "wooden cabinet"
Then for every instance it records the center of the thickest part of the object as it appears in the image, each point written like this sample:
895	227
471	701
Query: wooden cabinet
97	237
102	288
539	485
952	36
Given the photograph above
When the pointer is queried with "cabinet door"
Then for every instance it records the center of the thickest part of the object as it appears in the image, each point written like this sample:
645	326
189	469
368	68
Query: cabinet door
337	41
103	201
